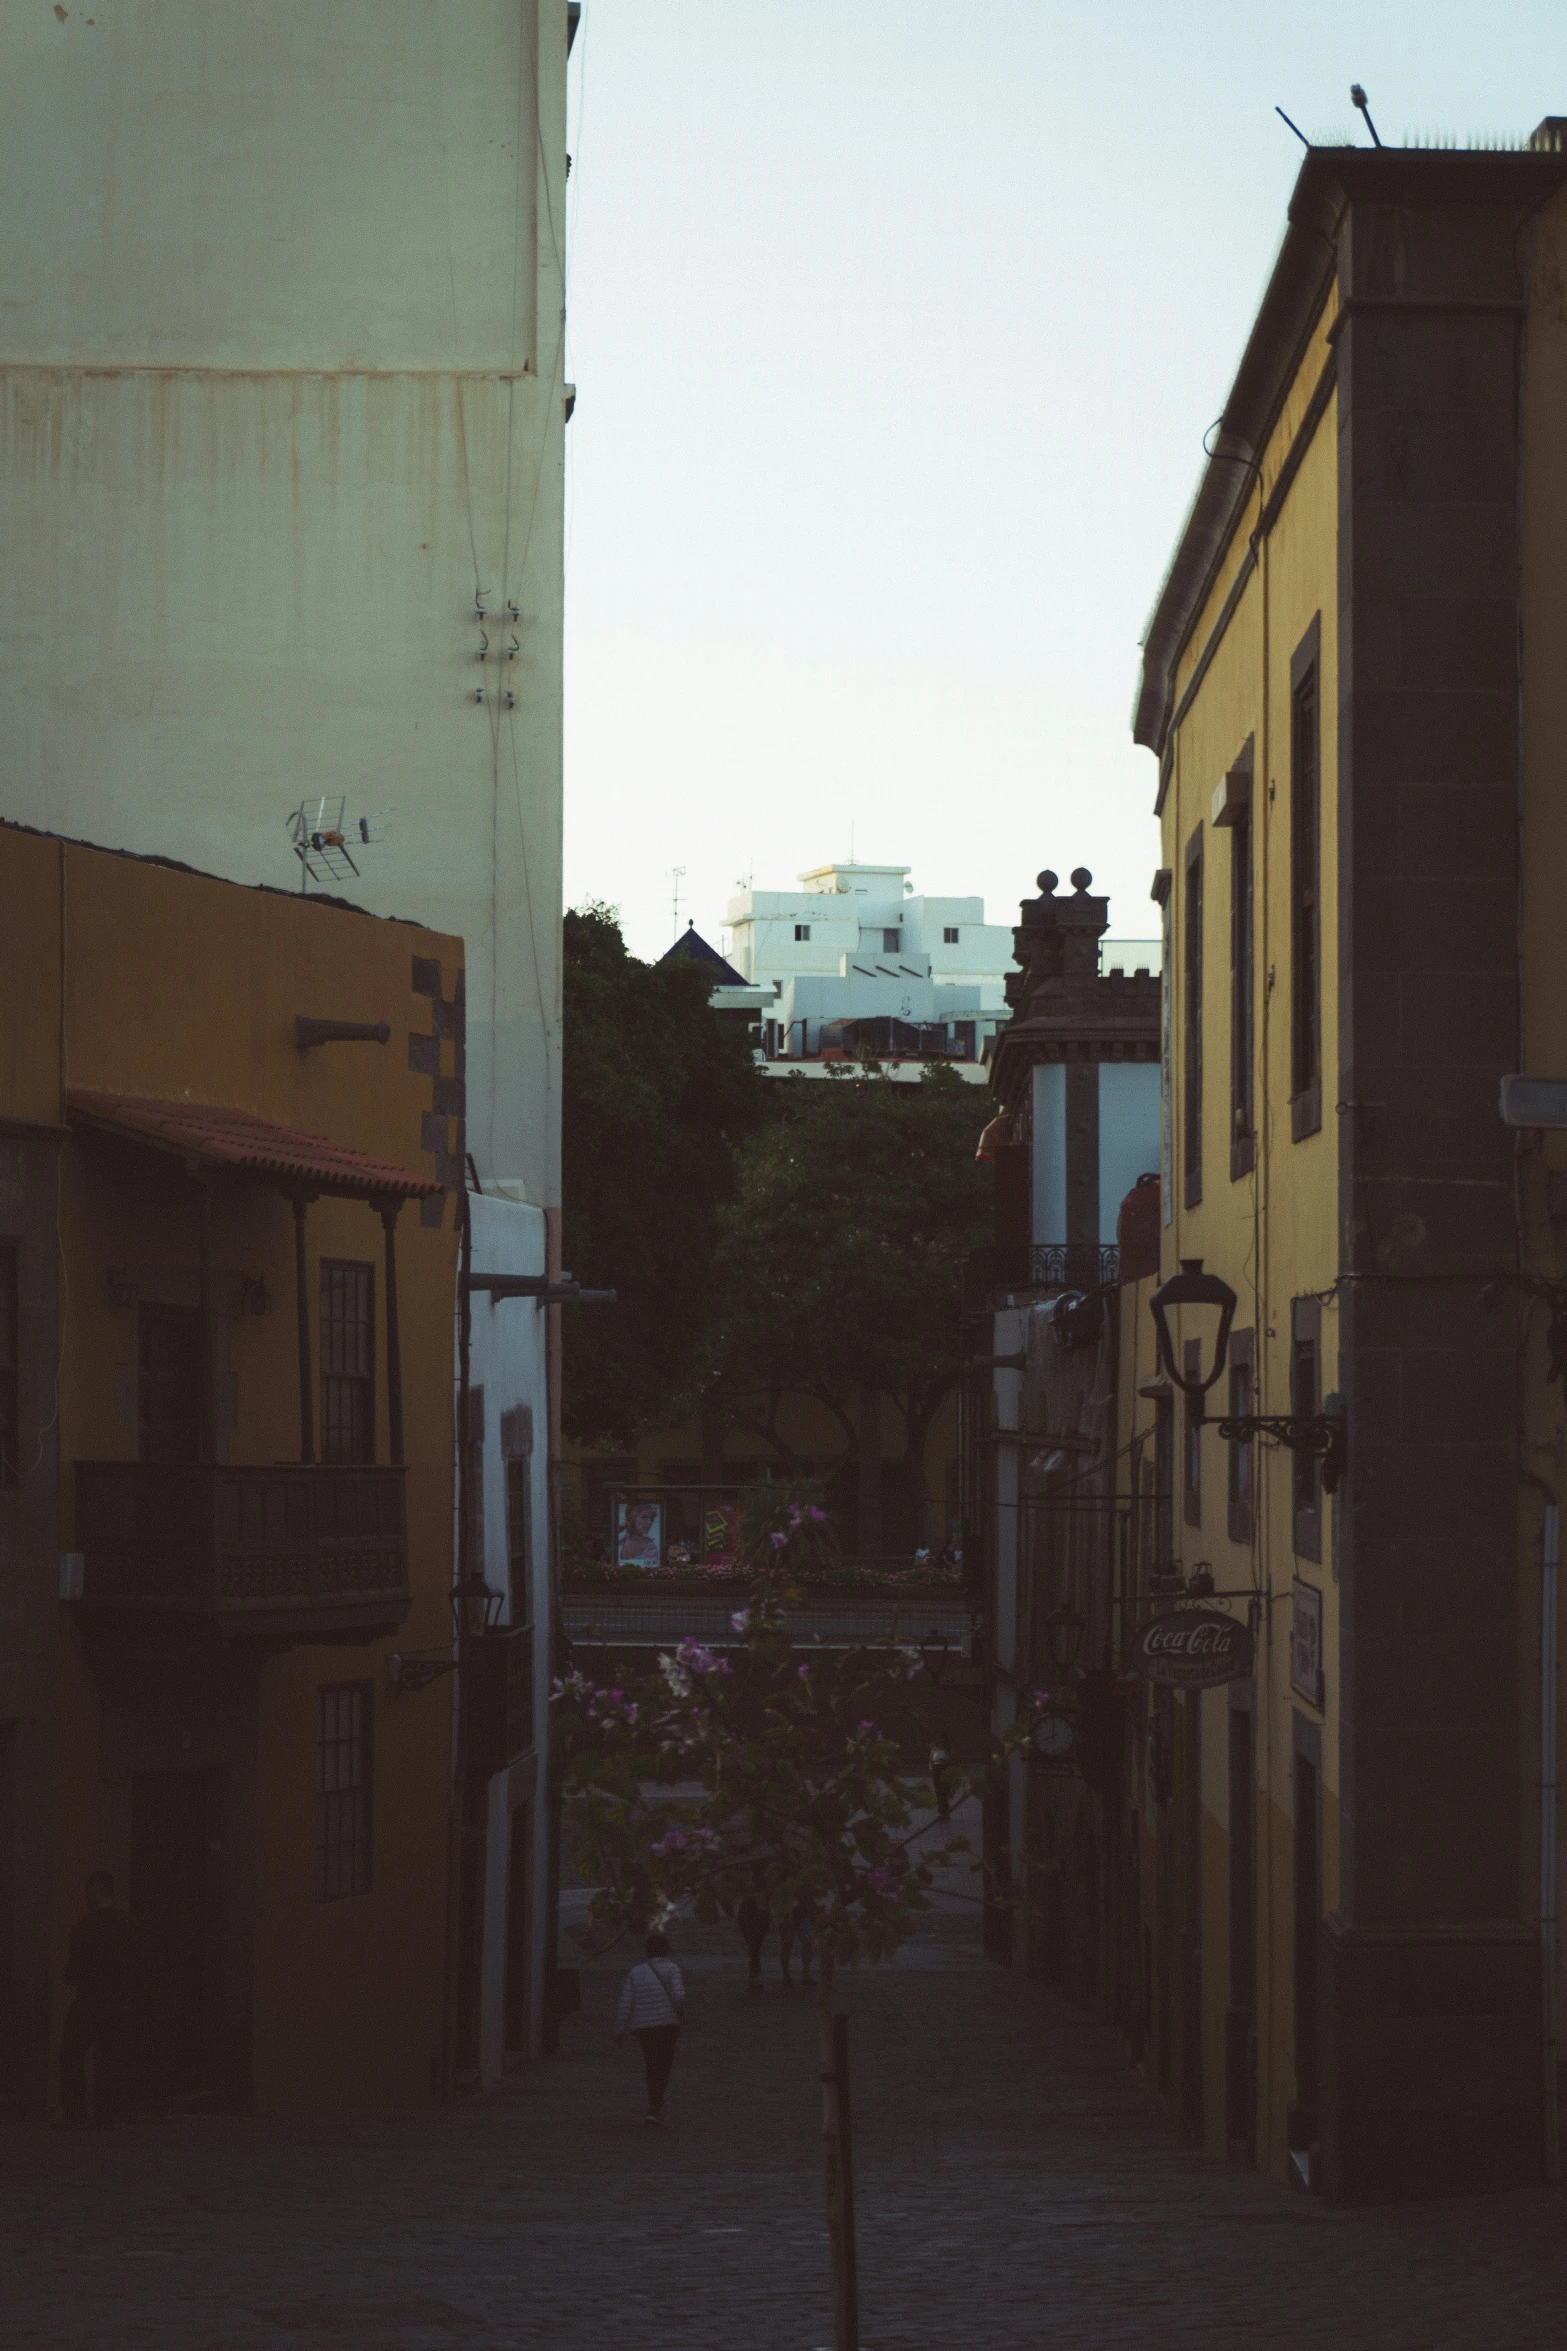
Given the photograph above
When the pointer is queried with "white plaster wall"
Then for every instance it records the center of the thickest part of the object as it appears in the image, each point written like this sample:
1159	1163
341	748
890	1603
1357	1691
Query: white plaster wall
1048	1162
280	388
1128	1134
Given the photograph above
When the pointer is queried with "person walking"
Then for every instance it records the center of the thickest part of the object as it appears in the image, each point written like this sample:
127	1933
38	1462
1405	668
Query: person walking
652	2003
797	1928
753	1918
100	1967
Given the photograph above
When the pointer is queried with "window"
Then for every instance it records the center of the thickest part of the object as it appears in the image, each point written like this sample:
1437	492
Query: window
347	1361
1193	1020
168	1383
10	1366
519	1538
802	930
1164	1477
891	941
1191	1446
1242	1139
1305	889
1242	1461
949	937
342	1790
1305	1401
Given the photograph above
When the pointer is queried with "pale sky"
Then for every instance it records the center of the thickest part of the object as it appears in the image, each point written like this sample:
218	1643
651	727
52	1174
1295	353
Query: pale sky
896	326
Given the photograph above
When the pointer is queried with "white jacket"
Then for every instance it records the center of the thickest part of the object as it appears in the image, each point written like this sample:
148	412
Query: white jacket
653	1994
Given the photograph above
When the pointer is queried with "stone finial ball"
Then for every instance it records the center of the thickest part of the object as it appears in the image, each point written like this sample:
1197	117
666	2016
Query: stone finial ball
1081	877
1047	881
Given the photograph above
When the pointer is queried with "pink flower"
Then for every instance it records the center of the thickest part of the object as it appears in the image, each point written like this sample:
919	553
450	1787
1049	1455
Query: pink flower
880	1880
867	1726
741	1620
696	1659
805	1673
820	1516
778	1541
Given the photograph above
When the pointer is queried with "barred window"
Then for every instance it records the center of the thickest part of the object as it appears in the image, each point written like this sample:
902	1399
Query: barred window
342	1790
10	1365
347	1361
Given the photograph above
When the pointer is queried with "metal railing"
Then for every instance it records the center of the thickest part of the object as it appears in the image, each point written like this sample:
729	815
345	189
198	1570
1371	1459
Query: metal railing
242	1541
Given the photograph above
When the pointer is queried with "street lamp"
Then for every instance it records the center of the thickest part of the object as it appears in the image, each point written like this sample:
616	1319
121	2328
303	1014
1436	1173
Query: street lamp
476	1606
1064	1630
1191	1287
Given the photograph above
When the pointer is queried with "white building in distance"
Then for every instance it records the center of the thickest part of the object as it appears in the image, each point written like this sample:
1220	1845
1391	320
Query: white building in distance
854	965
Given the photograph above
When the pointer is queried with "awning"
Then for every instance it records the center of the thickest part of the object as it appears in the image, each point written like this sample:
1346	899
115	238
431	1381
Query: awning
224	1137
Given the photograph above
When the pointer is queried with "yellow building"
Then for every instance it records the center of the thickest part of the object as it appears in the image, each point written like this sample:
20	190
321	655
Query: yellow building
1353	684
228	1258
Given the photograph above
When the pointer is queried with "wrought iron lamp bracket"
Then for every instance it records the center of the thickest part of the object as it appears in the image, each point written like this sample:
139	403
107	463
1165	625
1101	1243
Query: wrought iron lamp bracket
1323	1434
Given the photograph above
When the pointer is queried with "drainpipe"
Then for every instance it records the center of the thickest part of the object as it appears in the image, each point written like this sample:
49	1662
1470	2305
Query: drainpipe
1549	1556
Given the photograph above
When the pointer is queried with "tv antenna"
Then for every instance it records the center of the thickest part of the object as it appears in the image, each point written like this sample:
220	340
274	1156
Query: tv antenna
677	874
1357	99
324	840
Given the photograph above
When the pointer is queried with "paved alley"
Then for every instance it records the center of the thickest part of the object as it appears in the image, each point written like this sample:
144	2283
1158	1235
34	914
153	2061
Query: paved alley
1014	2189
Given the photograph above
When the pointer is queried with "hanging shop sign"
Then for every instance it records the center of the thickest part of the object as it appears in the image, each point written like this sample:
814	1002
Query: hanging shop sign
1193	1649
1306	1645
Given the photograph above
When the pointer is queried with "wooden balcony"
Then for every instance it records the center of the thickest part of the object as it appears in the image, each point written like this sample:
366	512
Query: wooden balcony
282	1553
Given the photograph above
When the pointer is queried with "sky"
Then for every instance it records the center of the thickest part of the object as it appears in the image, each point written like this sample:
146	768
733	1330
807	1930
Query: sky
896	326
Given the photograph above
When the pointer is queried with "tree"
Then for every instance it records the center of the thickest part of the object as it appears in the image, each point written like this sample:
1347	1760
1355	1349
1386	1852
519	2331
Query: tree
657	1094
839	1271
804	1799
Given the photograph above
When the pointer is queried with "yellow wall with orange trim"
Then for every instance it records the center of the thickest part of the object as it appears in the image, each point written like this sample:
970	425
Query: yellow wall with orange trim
177	985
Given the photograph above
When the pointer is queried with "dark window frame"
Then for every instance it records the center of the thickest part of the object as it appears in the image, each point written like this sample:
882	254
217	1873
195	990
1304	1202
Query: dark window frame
1306	884
10	1362
891	940
949	934
1243	1013
1191	1437
169	1341
1305	1402
1191	1026
345	1768
1241	1469
802	930
347	1440
519	1536
1164	1484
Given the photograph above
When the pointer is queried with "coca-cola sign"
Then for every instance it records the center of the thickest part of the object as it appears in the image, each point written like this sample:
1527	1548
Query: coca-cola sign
1193	1649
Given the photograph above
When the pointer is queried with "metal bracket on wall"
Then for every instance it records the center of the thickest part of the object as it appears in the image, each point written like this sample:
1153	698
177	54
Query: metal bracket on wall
406	1676
1324	1434
540	1289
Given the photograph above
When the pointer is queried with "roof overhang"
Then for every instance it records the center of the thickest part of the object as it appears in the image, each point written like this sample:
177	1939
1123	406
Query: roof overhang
217	1135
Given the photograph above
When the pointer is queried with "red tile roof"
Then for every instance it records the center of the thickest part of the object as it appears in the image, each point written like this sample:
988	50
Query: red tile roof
225	1137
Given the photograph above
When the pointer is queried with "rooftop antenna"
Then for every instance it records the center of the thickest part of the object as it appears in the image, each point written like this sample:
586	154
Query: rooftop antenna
677	874
1357	99
324	839
1295	127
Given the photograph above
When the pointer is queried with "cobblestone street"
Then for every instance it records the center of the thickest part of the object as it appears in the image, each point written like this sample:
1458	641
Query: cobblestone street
1014	2189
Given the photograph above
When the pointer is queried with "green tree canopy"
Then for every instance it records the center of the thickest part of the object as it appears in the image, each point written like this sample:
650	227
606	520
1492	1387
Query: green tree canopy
658	1091
840	1266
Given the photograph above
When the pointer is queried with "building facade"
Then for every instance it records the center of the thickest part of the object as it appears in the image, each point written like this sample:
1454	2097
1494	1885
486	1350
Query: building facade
1345	1860
860	967
226	1477
282	409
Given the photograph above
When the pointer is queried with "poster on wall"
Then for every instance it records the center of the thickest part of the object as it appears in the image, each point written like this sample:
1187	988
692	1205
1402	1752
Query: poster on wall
639	1533
720	1534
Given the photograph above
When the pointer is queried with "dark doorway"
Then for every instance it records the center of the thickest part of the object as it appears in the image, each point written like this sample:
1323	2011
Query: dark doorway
519	1923
168	1394
1240	2019
171	1903
1308	1917
1191	1924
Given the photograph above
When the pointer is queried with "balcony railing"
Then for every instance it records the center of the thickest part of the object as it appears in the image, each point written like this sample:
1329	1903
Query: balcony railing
285	1551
